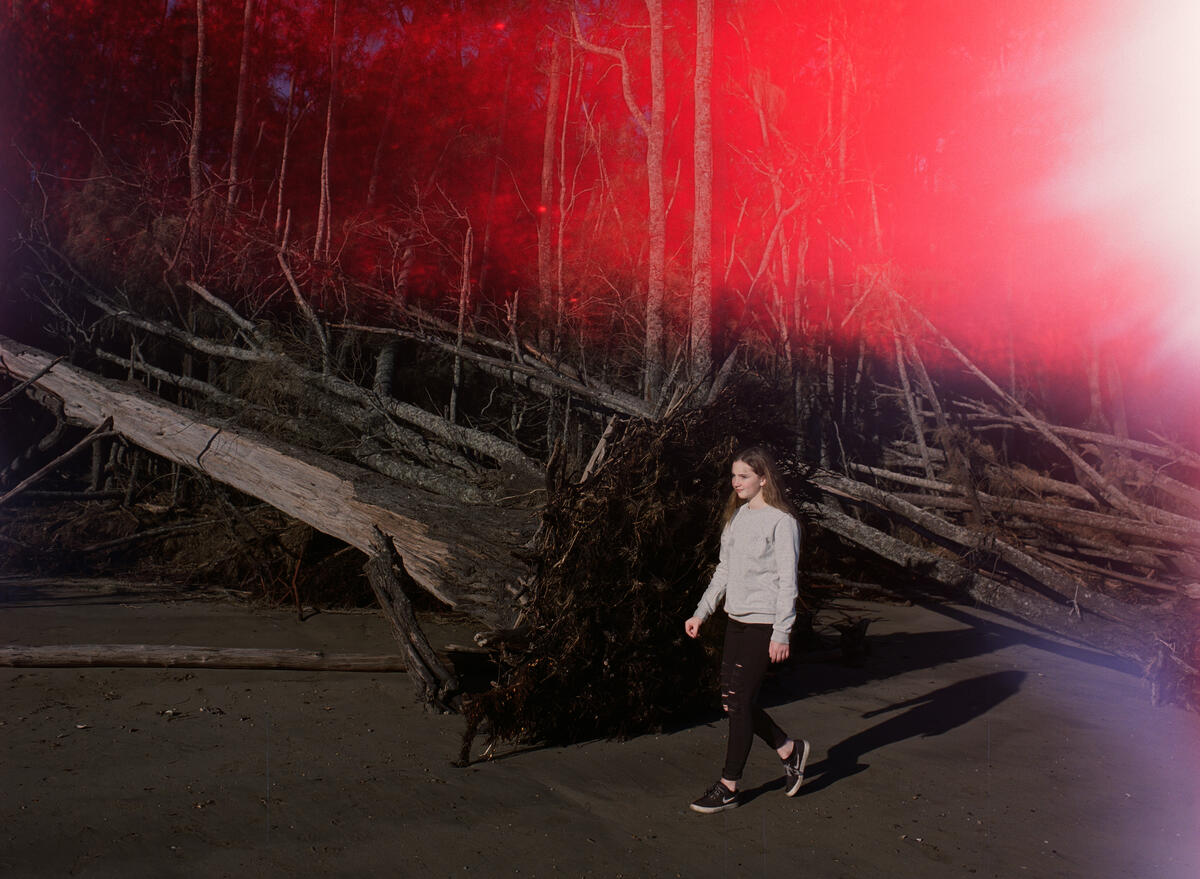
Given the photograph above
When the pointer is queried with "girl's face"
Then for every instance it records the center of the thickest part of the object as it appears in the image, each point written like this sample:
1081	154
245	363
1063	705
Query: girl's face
747	484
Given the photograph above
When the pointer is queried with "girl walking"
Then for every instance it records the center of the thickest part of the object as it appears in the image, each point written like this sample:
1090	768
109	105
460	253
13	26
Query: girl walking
756	576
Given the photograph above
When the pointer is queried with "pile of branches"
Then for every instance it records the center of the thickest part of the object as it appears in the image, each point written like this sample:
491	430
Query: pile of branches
1090	534
1086	533
624	556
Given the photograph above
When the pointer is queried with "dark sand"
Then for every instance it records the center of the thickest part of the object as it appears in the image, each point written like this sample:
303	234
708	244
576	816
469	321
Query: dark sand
967	746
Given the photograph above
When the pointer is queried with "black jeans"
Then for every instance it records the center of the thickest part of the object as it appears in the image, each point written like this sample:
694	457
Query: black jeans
743	666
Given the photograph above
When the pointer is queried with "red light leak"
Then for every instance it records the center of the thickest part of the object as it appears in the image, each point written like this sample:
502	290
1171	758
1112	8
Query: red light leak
1024	172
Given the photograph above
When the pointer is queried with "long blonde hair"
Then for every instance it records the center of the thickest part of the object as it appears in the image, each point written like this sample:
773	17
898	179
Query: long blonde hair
760	461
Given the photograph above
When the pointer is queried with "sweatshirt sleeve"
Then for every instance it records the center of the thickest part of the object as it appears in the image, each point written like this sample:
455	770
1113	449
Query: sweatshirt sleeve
787	555
720	579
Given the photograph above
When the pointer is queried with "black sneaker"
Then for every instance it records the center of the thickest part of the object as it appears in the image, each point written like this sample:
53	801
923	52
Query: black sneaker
793	767
717	798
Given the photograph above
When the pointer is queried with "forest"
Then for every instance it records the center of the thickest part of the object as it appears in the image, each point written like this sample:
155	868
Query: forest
478	297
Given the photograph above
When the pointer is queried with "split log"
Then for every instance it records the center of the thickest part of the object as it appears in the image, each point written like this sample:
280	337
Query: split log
465	556
176	656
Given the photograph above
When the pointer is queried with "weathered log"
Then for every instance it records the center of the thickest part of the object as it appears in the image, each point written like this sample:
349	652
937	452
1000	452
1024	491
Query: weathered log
983	417
478	441
948	439
1145	476
248	327
436	685
608	398
1070	588
1106	550
856	588
997	475
1108	573
1062	619
910	405
176	656
1060	515
462	555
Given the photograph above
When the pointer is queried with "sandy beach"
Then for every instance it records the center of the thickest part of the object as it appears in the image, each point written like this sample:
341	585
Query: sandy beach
967	745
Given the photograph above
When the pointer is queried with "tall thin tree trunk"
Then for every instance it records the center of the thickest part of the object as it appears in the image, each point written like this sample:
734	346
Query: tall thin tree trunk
545	213
464	300
560	245
656	286
324	221
701	312
239	117
287	139
197	107
485	250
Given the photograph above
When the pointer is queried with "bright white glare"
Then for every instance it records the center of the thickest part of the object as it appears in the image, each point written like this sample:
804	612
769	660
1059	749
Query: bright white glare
1136	171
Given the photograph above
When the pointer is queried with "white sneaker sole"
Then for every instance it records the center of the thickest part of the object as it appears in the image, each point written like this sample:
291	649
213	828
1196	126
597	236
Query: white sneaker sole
803	744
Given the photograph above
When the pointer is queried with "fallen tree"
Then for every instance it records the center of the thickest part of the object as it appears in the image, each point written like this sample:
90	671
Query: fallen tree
585	630
180	656
466	559
579	574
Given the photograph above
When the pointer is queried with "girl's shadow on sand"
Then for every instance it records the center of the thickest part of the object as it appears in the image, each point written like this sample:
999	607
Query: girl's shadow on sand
934	713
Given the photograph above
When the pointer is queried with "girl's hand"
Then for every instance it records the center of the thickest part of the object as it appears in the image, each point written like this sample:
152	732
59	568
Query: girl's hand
778	652
692	626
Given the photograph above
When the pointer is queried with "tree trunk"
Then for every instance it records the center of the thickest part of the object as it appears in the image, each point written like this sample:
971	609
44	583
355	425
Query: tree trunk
463	555
239	118
656	134
177	656
545	213
283	157
702	291
324	209
1113	637
436	685
197	108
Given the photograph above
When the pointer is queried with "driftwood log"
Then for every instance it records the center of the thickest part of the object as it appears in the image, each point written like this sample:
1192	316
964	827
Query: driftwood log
466	557
177	656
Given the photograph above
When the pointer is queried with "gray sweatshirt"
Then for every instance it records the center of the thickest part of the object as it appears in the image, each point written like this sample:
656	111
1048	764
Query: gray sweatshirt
756	574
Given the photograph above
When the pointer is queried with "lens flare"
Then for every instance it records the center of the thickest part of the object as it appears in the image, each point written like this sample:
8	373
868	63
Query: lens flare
1133	174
